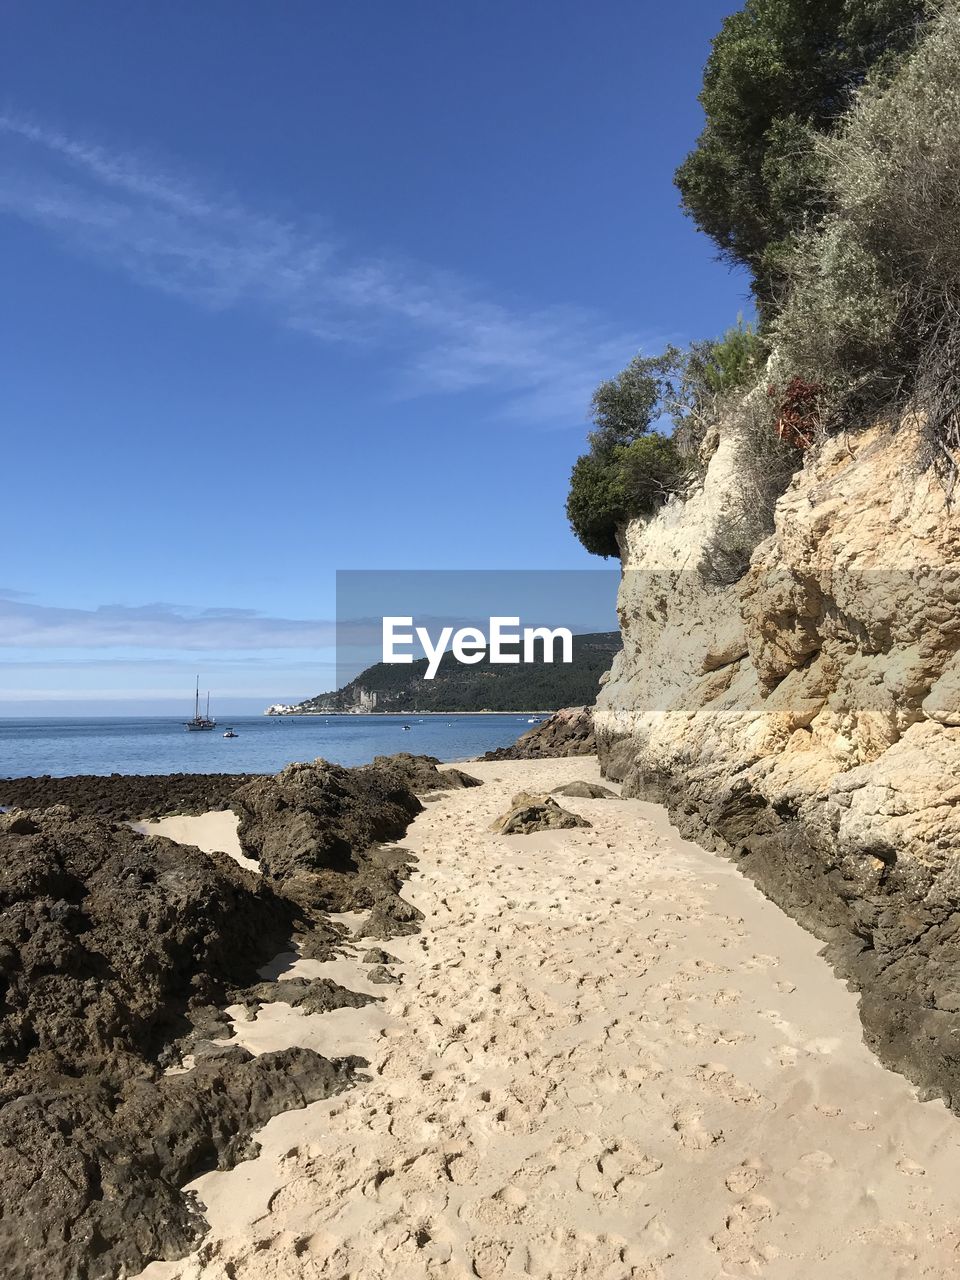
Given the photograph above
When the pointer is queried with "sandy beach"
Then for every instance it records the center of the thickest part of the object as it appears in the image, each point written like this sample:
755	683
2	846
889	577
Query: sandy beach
608	1056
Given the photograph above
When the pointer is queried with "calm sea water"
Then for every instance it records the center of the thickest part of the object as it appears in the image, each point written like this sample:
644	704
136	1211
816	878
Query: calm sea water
265	743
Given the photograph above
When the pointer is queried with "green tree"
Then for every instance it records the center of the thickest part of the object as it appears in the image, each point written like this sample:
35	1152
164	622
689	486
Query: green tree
630	468
780	74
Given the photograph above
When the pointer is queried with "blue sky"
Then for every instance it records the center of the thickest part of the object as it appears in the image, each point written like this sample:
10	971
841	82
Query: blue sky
297	288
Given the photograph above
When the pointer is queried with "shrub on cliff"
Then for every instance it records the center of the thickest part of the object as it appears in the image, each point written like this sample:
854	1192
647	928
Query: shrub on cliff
780	75
713	374
610	487
872	313
624	407
630	468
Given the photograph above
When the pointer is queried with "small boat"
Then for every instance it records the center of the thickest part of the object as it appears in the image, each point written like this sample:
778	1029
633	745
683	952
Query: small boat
200	722
230	734
406	728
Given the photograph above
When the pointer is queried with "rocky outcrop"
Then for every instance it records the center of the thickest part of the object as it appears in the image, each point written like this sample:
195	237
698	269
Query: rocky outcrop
315	830
422	774
529	813
568	732
584	791
121	797
805	719
117	955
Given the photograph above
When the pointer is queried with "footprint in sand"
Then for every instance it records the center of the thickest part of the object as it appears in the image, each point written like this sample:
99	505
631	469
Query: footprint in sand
745	1177
617	1170
737	1242
715	1077
689	1128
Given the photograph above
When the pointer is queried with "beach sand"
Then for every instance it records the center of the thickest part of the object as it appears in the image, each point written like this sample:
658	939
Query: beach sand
213	832
609	1057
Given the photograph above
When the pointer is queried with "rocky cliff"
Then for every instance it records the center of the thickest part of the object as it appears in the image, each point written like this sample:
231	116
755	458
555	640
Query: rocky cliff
805	720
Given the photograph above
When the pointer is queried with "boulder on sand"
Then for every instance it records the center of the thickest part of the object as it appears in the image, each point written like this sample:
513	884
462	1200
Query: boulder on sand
529	813
584	791
422	775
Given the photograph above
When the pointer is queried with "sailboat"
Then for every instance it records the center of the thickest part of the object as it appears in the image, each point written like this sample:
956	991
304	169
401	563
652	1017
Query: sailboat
200	721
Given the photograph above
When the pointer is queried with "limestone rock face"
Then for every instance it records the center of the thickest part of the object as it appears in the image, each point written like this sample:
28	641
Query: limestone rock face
807	718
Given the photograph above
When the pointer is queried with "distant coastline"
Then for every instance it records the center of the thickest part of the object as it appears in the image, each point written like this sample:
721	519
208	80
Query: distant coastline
402	715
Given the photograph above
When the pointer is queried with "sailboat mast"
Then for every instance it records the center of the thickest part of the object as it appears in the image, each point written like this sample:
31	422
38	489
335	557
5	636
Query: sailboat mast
208	704
196	702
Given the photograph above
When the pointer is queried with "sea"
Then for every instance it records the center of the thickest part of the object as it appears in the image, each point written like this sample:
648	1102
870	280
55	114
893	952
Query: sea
264	744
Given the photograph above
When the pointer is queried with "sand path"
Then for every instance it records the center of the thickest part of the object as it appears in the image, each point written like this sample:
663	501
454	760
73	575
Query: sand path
609	1057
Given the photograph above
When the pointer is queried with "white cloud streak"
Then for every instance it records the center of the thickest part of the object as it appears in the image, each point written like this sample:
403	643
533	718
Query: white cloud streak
155	626
439	332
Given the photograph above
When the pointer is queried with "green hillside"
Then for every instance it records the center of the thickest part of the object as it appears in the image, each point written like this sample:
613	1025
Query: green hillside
483	687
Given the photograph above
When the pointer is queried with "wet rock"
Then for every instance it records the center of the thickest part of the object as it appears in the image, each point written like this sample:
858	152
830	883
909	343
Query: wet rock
529	813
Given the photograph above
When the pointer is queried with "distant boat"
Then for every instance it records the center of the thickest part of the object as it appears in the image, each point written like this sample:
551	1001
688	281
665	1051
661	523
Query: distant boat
200	721
406	727
230	734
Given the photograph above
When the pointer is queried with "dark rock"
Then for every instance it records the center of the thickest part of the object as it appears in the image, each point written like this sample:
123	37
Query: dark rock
318	830
117	952
567	733
17	823
122	797
421	774
391	917
379	973
312	995
91	1171
376	955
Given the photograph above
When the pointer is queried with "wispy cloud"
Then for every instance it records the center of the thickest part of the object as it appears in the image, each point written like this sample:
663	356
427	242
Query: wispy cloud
155	626
443	333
